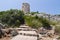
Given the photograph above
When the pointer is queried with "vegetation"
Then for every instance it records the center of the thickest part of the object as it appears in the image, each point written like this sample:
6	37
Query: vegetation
14	18
36	22
32	22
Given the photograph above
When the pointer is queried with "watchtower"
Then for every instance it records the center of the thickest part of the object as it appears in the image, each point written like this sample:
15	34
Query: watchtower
25	7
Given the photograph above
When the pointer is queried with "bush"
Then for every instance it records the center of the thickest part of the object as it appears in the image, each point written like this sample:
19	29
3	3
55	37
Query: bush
57	29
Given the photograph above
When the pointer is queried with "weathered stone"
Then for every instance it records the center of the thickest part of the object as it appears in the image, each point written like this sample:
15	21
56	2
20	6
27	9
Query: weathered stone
14	33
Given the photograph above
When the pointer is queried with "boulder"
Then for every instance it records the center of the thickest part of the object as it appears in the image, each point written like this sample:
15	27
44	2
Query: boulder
14	33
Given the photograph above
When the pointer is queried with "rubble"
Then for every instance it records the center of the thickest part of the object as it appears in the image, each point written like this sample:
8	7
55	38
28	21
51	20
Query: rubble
30	34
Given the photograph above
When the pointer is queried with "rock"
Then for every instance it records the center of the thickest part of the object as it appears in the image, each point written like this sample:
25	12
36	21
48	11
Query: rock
14	33
2	33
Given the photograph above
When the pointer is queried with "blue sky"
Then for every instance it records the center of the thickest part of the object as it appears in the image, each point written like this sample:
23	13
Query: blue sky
47	6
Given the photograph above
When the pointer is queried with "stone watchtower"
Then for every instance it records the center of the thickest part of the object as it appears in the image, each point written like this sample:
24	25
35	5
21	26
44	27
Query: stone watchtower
25	7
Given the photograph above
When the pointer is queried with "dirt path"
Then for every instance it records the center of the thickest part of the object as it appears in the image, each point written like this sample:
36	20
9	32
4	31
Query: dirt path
5	38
